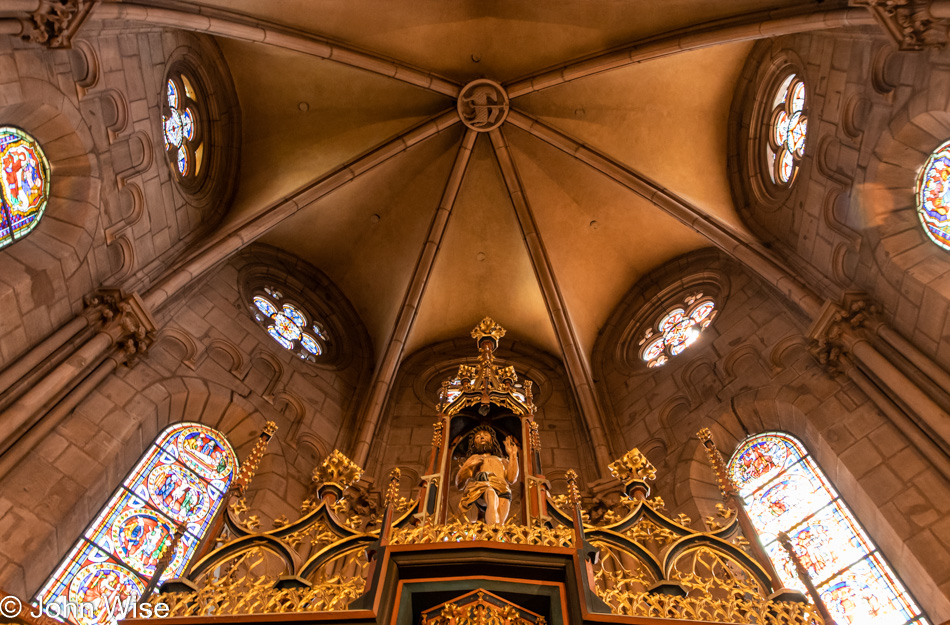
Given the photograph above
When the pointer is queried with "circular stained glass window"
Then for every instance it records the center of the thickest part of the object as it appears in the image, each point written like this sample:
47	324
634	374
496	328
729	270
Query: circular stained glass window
787	129
180	126
676	330
933	196
25	184
288	324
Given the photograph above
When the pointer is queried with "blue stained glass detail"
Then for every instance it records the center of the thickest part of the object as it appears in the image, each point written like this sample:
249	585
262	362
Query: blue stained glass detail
277	337
265	306
295	315
187	124
310	344
172	94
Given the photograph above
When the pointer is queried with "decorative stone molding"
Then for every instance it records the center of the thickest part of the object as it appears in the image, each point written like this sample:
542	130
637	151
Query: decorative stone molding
55	22
909	23
483	105
126	319
834	322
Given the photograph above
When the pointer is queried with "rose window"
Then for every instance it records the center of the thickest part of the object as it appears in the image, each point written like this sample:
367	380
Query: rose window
180	126
933	196
25	184
677	329
789	124
289	325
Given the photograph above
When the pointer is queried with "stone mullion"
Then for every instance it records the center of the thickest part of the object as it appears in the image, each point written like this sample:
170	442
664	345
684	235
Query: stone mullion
845	337
36	434
125	322
47	353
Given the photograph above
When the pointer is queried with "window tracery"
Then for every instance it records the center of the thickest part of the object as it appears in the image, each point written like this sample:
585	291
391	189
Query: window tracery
678	328
177	487
933	196
25	185
288	324
787	129
181	126
784	490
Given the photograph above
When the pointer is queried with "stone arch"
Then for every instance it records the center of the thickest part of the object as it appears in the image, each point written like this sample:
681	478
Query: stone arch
766	409
43	268
102	458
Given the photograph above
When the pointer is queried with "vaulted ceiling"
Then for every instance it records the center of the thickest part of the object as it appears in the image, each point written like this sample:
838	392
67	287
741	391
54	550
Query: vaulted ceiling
664	119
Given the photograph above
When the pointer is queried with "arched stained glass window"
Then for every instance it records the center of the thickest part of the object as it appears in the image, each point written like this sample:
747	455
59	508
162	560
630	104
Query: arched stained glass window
677	329
933	196
788	126
784	490
288	324
25	184
179	483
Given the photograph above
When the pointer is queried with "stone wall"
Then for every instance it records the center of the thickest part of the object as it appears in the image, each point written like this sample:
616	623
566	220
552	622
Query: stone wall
212	364
751	372
114	207
849	222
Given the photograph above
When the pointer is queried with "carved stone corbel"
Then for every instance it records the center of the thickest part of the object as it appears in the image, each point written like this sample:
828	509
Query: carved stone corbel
125	318
910	23
55	22
835	323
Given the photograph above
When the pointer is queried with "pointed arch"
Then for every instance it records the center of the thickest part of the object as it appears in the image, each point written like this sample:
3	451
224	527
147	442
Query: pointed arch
785	490
178	485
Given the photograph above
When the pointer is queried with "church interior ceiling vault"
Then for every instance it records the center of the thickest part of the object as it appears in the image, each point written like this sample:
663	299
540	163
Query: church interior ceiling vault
601	182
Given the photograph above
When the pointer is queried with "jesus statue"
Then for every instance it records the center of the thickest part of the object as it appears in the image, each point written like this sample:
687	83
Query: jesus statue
485	476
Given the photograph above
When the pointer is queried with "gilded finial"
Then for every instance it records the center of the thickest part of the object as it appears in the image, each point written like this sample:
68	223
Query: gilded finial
392	491
488	328
248	468
718	464
534	437
632	466
437	428
573	494
337	469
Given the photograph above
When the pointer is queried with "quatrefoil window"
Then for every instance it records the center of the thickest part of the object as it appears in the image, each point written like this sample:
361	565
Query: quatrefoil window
181	126
787	129
678	328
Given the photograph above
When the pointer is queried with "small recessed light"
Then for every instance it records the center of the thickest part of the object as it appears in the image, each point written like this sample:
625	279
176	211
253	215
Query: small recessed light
480	256
304	106
594	225
374	219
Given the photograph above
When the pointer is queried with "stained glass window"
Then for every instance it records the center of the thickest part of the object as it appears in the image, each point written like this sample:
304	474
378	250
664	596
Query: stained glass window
788	126
25	186
180	126
178	485
933	196
785	490
288	324
677	329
